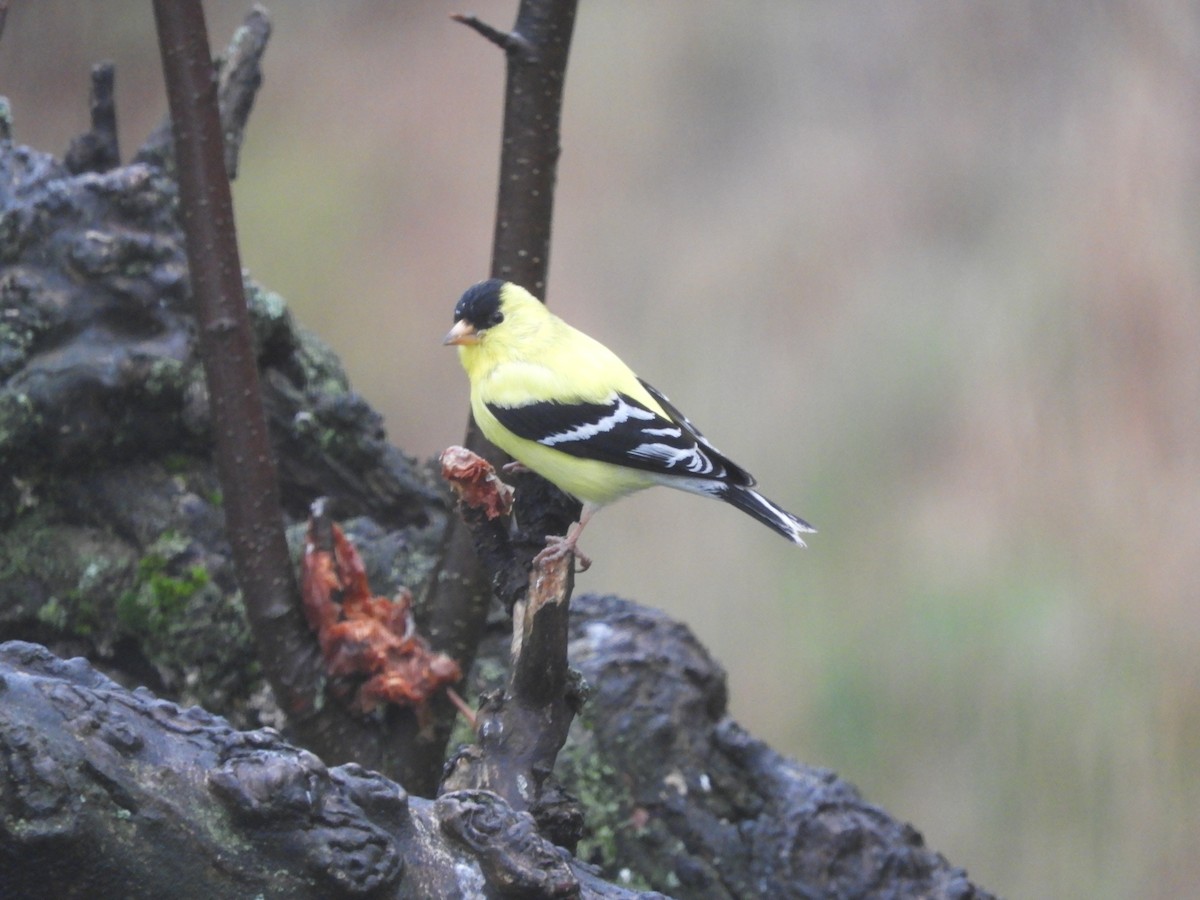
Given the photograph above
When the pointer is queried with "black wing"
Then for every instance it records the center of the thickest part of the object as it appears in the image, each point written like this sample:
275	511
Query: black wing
624	432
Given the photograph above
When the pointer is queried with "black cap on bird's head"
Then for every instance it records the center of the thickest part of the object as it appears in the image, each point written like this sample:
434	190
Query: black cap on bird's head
476	311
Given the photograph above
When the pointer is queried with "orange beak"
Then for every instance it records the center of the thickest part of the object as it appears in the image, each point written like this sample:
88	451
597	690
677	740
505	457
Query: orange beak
463	332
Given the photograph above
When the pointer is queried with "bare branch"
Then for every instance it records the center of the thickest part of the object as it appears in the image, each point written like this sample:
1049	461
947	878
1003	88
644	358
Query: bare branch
245	464
537	50
530	149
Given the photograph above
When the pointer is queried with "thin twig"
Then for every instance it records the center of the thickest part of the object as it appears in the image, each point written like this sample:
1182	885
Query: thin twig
508	41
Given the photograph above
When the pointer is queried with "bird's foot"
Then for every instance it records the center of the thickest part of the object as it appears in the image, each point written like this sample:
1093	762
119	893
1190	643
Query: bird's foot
558	546
514	468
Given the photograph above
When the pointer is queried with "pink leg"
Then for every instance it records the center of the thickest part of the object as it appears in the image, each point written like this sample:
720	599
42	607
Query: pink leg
559	546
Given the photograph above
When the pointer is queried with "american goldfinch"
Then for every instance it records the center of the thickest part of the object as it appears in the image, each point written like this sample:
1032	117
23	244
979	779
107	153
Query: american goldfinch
563	405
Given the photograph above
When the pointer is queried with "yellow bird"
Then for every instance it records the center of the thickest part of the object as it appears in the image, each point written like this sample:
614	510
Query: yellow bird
565	406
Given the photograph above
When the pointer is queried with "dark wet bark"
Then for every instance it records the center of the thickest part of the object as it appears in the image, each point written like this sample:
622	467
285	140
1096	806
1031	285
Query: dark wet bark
109	793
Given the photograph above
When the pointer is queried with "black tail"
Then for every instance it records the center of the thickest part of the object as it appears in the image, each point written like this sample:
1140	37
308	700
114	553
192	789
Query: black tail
774	517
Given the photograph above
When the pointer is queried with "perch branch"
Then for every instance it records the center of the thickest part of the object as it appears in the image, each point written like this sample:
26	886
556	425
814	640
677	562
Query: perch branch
537	50
522	728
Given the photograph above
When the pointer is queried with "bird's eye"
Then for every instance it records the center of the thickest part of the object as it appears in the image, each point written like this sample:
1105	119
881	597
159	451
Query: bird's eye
494	319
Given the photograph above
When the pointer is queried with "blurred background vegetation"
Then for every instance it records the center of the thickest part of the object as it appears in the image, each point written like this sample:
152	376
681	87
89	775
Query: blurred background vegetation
929	269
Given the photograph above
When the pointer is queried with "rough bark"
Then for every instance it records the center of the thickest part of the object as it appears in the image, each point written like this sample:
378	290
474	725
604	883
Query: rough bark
677	792
521	729
112	793
113	514
97	149
109	793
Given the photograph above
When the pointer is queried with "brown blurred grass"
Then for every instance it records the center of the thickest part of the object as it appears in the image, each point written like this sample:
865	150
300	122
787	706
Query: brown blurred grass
929	269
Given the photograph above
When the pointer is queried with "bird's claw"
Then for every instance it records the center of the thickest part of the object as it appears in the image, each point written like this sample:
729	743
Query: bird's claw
514	468
557	547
